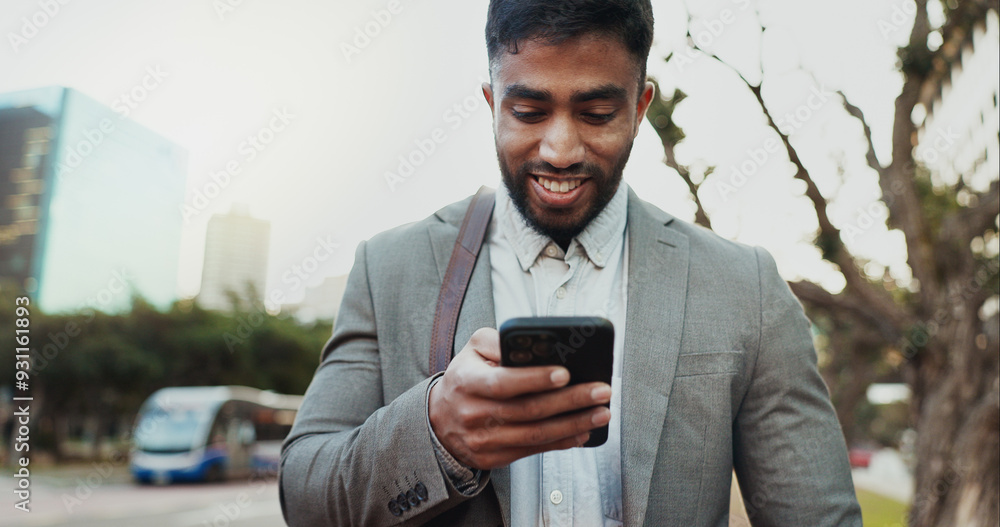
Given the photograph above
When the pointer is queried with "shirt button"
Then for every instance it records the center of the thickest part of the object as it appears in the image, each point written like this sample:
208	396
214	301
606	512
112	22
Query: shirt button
561	293
551	251
555	497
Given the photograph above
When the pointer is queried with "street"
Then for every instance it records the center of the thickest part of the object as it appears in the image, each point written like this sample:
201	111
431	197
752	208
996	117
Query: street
86	499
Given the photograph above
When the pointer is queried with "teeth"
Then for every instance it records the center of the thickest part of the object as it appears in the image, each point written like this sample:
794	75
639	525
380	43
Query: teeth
559	186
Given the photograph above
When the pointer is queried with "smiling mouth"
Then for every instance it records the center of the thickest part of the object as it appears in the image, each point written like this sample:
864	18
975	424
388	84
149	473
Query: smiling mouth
559	186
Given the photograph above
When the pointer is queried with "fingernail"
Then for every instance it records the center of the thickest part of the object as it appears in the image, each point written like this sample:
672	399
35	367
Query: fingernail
601	417
601	394
560	376
582	438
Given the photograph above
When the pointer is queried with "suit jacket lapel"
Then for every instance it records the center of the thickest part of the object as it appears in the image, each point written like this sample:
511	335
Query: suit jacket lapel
657	289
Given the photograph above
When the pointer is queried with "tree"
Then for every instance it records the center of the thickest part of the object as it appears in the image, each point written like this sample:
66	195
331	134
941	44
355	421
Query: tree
100	367
931	330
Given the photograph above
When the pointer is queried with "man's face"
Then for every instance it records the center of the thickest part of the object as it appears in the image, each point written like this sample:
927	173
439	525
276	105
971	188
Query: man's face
564	117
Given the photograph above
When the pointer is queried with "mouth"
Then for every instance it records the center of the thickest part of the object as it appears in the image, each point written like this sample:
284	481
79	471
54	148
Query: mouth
559	192
559	186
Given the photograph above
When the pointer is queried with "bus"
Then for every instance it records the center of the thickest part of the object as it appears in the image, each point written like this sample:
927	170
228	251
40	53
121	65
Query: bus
210	433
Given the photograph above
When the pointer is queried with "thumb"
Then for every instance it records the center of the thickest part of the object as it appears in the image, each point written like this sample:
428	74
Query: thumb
486	342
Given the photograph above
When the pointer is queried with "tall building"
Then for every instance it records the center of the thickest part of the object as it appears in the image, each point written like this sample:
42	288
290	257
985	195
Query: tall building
236	248
960	136
91	204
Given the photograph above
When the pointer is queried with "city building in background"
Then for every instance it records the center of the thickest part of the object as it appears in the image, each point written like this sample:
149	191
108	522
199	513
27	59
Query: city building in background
960	136
321	302
236	247
91	203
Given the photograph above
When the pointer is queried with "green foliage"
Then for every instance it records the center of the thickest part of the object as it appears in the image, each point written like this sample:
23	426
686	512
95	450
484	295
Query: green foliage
95	363
916	61
661	115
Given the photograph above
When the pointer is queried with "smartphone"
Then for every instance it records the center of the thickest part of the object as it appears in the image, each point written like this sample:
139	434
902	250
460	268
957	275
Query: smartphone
584	345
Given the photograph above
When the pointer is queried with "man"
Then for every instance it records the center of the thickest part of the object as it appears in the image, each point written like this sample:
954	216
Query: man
714	364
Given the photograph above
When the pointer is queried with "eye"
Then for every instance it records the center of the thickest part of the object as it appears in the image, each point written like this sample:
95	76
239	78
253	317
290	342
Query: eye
599	118
528	117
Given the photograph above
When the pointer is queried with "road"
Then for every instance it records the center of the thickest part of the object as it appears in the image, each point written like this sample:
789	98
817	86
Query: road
96	498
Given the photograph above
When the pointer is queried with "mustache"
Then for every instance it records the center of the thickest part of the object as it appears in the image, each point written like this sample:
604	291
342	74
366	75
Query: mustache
576	169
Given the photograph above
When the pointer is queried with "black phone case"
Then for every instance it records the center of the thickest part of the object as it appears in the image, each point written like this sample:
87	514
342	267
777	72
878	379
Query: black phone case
584	345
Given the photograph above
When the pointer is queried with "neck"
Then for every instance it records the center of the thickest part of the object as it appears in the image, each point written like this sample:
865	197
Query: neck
563	243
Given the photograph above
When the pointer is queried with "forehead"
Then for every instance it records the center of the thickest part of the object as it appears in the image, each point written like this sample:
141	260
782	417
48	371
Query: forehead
573	65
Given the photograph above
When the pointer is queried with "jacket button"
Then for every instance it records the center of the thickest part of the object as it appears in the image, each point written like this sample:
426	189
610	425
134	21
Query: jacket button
411	496
421	491
401	500
394	508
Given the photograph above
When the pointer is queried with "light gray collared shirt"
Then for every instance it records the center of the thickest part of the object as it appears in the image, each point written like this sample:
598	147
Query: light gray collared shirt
533	276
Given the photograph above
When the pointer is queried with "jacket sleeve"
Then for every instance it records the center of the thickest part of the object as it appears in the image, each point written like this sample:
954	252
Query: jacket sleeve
789	451
351	457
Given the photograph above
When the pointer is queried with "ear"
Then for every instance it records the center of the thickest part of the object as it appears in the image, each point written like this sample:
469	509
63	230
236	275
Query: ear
645	98
488	94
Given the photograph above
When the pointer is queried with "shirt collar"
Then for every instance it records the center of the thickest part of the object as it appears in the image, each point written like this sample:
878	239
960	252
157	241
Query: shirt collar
597	241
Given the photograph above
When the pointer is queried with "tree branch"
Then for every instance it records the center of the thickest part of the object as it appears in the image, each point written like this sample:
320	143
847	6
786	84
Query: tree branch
817	297
700	216
829	235
870	156
899	189
969	222
661	115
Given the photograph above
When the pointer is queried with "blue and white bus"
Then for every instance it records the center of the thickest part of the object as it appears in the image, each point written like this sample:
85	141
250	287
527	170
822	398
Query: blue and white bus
210	433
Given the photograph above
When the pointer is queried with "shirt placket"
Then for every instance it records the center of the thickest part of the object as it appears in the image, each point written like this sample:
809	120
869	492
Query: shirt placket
555	280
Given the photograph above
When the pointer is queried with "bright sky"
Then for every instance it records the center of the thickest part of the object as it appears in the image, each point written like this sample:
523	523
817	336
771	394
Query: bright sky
229	65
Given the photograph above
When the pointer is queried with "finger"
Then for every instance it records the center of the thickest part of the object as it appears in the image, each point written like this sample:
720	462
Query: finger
499	383
535	407
510	455
544	432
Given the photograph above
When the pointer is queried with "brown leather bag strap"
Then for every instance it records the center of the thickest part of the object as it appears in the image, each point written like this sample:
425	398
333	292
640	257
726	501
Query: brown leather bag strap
456	278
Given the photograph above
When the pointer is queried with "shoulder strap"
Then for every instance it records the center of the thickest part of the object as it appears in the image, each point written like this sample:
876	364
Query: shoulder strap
456	277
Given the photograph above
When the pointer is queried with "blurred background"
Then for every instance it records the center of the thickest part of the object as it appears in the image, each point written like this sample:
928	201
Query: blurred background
184	184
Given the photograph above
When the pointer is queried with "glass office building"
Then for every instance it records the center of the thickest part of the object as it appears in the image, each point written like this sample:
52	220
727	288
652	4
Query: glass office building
91	203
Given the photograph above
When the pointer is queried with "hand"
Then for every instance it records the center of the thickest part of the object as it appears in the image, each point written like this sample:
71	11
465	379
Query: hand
488	416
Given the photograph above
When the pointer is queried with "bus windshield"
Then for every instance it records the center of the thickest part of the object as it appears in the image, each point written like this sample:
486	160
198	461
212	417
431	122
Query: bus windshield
172	430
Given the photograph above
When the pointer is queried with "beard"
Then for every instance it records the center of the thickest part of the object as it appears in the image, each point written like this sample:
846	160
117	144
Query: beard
563	231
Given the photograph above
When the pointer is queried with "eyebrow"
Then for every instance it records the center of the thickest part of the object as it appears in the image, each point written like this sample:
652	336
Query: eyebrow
606	91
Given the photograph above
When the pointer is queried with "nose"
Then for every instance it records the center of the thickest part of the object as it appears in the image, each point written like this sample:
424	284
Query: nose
561	145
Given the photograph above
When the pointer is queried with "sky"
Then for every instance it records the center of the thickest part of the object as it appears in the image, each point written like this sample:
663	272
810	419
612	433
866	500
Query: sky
336	93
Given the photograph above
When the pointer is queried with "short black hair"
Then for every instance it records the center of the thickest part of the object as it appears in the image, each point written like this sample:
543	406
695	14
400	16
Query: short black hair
628	21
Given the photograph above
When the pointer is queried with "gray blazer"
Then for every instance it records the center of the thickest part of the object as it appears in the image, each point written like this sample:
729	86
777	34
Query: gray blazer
719	373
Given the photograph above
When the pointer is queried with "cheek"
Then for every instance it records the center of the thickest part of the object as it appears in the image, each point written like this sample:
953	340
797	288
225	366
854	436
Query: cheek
514	142
608	145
